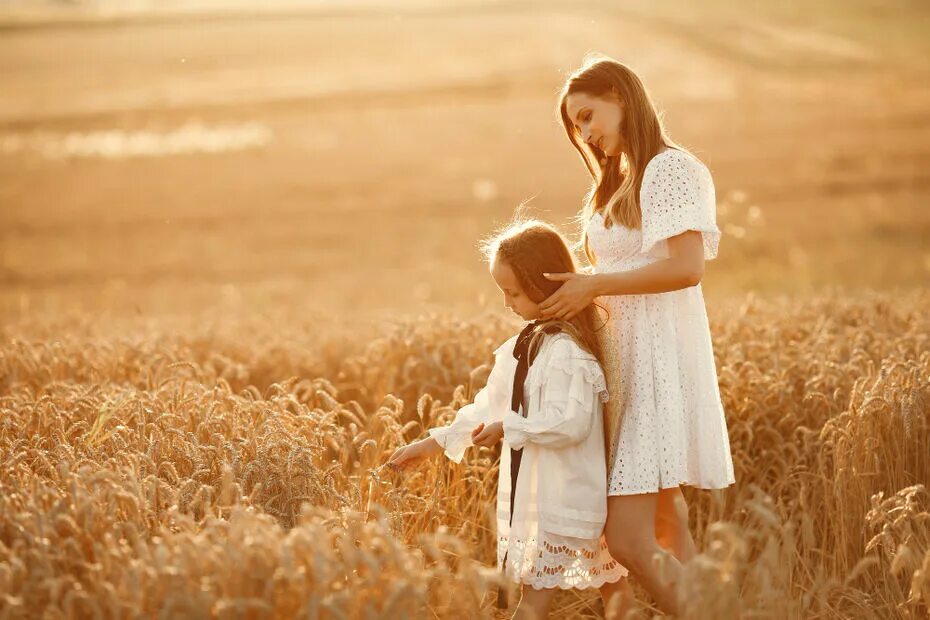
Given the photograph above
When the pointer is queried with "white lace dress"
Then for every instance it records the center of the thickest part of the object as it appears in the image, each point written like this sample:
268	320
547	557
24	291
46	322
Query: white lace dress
664	414
560	508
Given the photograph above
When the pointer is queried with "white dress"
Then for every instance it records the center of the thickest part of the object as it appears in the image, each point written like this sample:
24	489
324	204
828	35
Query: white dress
560	508
664	414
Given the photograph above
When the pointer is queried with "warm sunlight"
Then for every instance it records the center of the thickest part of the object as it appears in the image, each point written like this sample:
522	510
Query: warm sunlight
464	309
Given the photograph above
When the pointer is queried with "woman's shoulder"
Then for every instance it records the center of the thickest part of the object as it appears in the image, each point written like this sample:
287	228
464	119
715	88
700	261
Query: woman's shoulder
675	166
672	159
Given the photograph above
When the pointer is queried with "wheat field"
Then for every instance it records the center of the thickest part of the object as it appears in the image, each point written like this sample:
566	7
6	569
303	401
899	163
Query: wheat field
232	469
238	269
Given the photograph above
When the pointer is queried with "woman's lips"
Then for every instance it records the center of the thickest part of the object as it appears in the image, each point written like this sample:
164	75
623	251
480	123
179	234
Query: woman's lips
600	143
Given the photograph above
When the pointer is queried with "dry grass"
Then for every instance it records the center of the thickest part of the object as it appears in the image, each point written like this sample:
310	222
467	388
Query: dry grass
230	469
226	464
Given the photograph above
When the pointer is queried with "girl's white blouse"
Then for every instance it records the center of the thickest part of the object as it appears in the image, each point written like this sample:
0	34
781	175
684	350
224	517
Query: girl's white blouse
561	495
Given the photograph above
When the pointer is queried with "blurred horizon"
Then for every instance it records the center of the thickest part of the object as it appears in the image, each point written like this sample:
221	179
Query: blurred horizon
346	158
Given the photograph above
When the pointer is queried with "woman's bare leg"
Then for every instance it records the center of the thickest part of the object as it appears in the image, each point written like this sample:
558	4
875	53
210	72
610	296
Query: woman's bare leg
534	604
672	531
631	538
618	599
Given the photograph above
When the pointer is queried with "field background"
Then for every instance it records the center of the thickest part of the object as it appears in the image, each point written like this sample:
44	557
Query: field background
233	235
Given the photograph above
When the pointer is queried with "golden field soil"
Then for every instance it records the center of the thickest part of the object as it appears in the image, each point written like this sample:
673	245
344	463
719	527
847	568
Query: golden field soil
231	468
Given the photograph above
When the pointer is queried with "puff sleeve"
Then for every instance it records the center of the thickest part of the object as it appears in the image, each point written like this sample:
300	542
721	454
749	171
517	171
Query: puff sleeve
573	388
678	195
488	405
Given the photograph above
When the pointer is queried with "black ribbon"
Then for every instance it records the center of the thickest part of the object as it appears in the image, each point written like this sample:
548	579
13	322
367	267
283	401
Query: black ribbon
521	352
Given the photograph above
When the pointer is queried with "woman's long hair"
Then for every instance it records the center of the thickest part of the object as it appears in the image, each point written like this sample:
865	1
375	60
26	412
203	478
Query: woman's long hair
617	179
531	248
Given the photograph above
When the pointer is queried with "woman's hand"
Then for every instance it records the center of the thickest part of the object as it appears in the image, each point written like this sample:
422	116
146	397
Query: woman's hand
572	297
488	435
412	455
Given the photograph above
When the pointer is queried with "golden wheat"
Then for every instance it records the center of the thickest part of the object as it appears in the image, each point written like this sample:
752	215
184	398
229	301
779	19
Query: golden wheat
231	469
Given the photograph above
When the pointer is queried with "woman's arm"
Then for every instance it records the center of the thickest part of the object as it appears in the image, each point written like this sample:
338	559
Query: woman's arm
683	268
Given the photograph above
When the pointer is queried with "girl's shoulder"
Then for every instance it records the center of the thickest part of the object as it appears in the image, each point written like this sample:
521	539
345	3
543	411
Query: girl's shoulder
507	347
554	344
563	345
565	355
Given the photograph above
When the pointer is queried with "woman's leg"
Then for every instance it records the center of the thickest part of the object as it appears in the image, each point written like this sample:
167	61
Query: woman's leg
672	531
631	538
618	599
534	604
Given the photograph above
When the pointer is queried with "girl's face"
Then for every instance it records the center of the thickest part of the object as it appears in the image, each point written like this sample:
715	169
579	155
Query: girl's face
514	297
598	120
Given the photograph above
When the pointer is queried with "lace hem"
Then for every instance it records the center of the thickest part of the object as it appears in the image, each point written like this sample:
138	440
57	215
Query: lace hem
553	561
593	373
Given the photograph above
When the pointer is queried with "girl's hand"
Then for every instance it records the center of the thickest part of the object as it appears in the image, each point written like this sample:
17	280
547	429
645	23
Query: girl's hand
572	297
489	435
410	457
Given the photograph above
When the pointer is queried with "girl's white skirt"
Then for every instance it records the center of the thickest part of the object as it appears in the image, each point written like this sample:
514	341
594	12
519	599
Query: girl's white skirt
553	561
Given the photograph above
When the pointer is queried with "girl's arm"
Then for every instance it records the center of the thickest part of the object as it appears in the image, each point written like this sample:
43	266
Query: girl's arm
490	400
455	438
411	455
571	396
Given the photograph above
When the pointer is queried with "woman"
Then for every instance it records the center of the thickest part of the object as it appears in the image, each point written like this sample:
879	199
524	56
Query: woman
649	225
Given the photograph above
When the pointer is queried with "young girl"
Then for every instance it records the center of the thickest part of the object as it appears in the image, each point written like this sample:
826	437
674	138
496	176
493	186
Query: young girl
544	398
650	224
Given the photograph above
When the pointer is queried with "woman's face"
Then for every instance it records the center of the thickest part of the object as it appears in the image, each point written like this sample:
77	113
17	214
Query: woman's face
597	120
514	297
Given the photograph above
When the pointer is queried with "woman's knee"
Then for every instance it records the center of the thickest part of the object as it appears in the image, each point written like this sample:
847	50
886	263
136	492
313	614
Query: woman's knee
631	550
534	603
681	508
672	508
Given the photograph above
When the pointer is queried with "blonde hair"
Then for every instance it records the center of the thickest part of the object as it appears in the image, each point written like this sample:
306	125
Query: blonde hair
531	248
617	178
